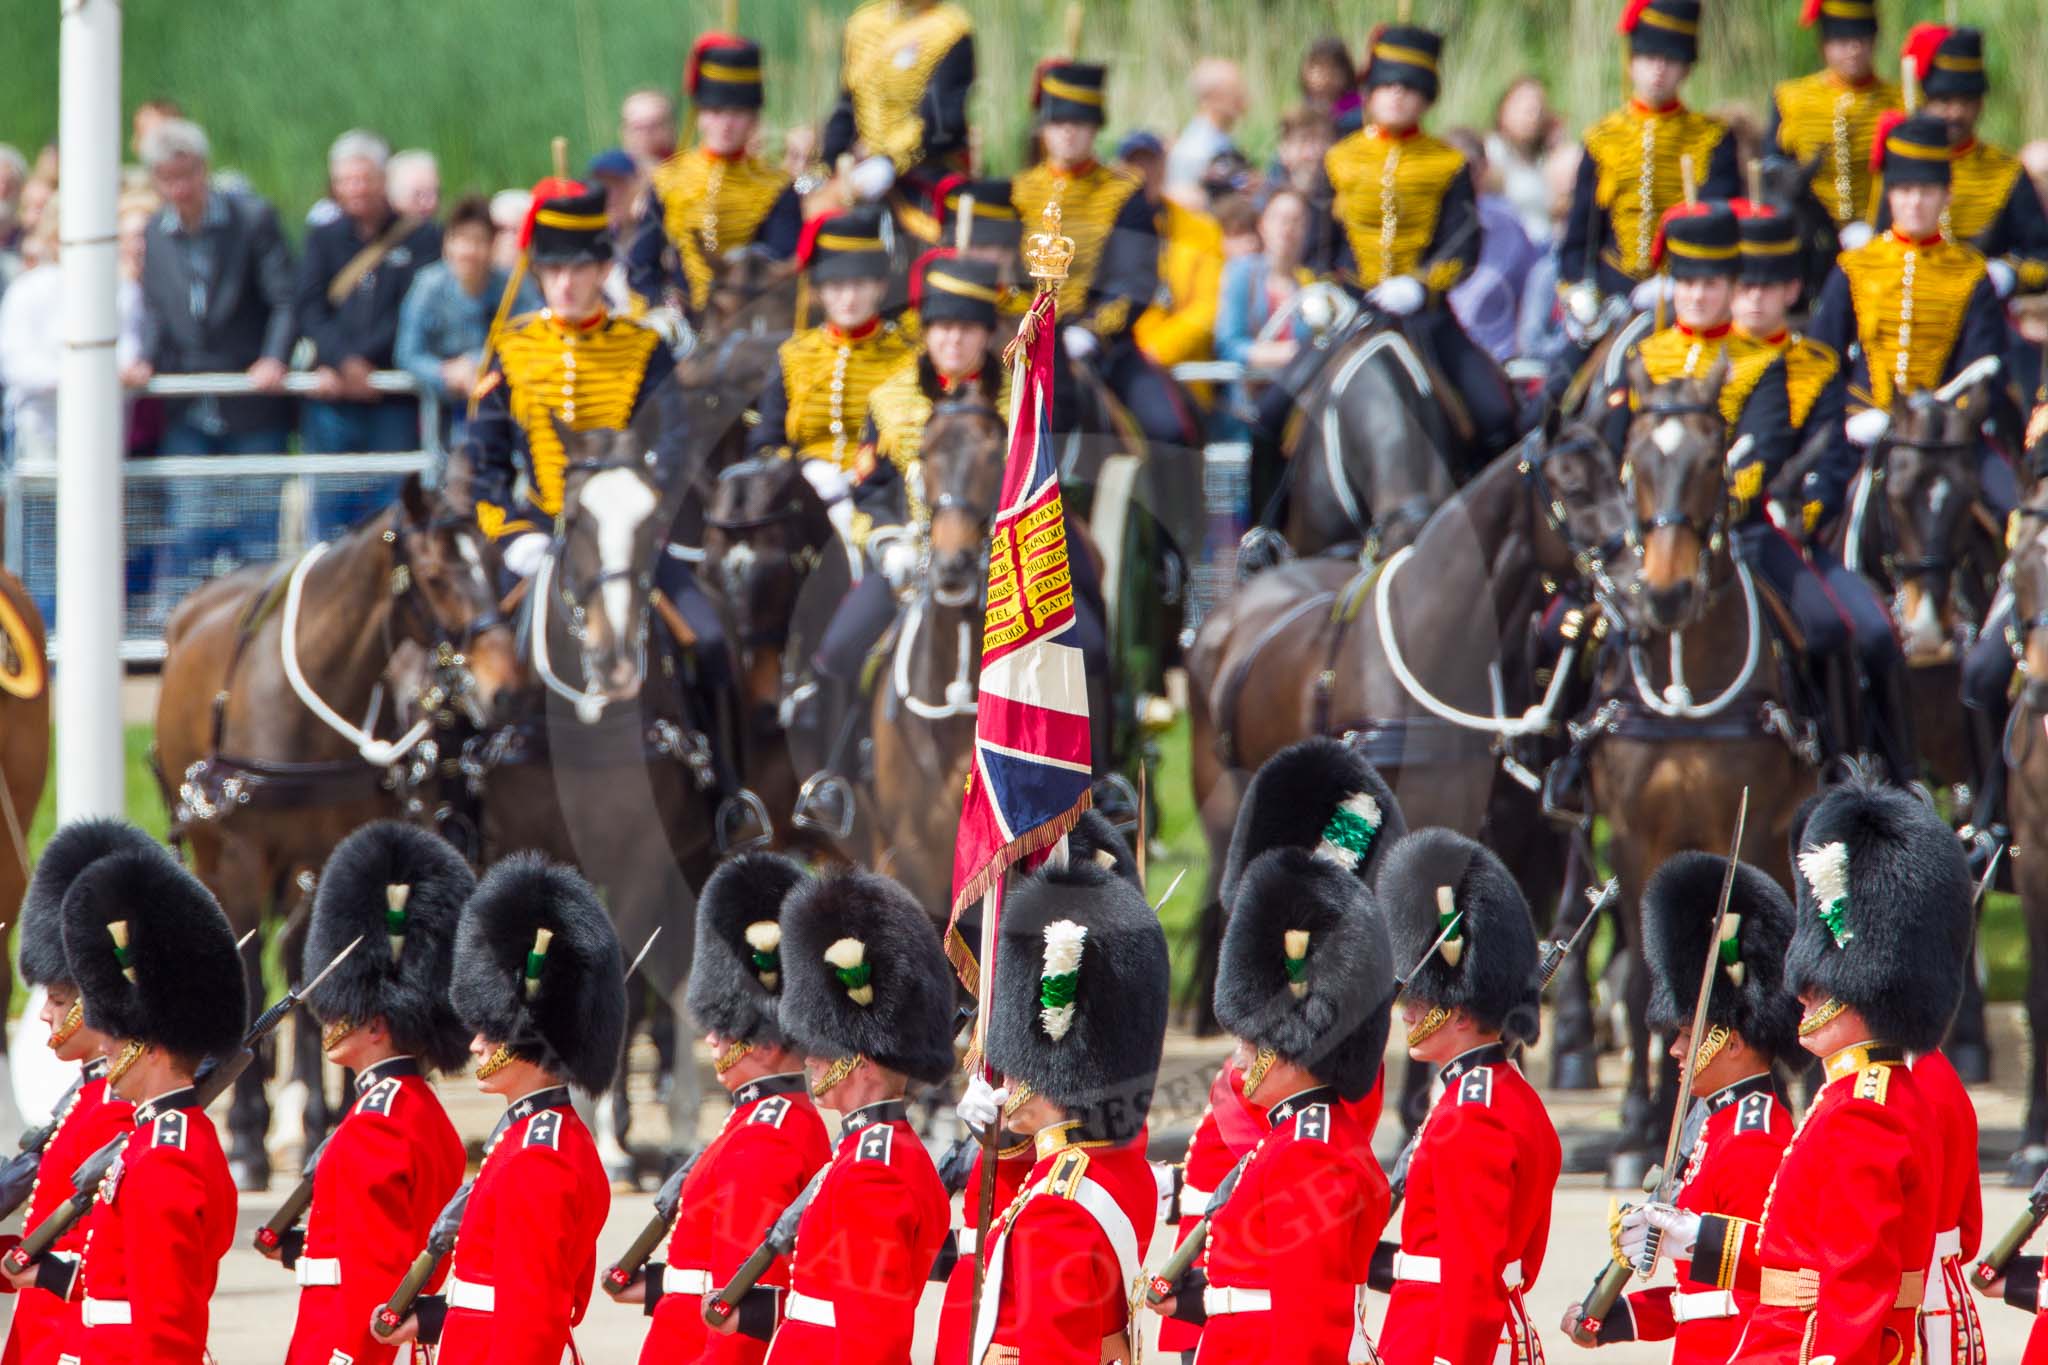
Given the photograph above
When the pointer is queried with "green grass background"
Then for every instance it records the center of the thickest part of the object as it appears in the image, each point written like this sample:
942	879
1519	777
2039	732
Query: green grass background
486	83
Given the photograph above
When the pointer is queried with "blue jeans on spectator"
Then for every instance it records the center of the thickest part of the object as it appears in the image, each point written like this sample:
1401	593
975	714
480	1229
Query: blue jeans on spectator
355	429
214	525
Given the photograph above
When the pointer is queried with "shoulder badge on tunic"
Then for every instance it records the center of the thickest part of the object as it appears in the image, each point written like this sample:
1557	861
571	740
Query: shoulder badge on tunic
1874	1084
1313	1124
771	1111
545	1130
1476	1086
875	1142
168	1131
379	1098
1753	1115
1065	1180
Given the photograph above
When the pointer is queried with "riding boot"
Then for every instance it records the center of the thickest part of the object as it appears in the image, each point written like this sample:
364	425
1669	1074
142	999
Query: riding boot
740	819
1888	725
825	804
1987	830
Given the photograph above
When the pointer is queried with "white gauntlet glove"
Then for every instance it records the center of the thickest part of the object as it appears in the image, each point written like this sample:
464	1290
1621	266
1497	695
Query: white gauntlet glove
1400	295
872	178
524	552
1080	343
982	1105
1650	293
1867	427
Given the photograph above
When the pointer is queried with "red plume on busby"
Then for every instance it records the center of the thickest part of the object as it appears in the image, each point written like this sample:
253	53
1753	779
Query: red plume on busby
1045	64
1674	212
1889	120
1632	15
917	269
1922	41
705	42
544	189
1810	15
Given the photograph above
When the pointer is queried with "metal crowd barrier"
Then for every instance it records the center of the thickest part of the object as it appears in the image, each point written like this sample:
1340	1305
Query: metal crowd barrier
190	518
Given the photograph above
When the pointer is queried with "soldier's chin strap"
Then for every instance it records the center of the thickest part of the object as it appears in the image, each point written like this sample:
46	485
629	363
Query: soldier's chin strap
74	1020
1427	1026
1255	1074
336	1031
1710	1047
1822	1016
131	1053
496	1062
837	1072
1019	1096
730	1058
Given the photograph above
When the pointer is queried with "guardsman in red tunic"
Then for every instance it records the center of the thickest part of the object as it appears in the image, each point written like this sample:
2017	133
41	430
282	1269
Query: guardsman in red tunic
89	1115
1735	1132
162	982
1486	1158
1093	839
1076	1020
1304	980
1951	1332
1839	1256
1294	793
394	1159
769	1146
867	996
539	980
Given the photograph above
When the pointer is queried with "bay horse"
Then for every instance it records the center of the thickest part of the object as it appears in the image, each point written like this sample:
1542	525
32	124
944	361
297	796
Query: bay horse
1434	676
274	692
2026	743
24	768
1694	699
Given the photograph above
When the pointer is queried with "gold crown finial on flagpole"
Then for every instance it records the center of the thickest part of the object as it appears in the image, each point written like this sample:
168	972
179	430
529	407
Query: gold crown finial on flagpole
560	148
1047	253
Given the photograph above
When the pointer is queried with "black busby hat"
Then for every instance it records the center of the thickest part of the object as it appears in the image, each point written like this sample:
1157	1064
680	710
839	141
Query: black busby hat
724	72
1404	55
400	889
1080	996
1093	839
1883	921
1306	968
1070	92
844	246
1912	151
1841	18
1487	967
1949	62
736	973
1771	251
70	851
153	955
538	969
569	229
1749	995
1663	28
1319	791
1698	241
949	288
863	974
996	222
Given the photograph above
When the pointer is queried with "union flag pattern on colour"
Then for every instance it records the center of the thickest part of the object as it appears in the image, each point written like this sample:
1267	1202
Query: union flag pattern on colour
1030	779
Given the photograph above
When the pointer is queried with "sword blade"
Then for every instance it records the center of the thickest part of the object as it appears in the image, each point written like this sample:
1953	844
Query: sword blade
1401	982
1699	1009
301	992
641	956
1171	887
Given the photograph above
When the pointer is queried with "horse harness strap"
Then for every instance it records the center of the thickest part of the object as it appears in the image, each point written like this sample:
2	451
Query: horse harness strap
1234	681
1350	601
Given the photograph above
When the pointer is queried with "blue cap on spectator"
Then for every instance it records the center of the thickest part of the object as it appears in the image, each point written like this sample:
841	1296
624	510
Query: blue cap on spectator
1140	143
610	162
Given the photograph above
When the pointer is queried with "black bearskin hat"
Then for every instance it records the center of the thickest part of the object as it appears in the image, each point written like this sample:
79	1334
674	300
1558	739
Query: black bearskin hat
1306	968
1317	788
558	1001
1488	965
154	956
1080	995
401	889
1884	915
70	851
863	974
736	972
1749	994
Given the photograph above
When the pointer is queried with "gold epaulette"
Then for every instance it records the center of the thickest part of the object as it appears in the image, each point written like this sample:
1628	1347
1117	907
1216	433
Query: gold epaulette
1064	1180
1089	204
1982	179
1377	178
1874	1083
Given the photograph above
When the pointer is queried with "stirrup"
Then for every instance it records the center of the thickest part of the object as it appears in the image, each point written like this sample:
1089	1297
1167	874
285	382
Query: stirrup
735	814
824	805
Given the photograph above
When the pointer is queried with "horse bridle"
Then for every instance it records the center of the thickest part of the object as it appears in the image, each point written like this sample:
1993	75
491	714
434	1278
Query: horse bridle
1937	561
950	501
2018	629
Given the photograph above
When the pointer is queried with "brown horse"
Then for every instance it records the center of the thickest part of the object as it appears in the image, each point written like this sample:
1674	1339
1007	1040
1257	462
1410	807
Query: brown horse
24	766
1694	705
2026	740
1423	664
273	679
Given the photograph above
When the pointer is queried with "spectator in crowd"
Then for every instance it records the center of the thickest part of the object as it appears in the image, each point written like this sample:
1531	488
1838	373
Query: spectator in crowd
1259	284
1238	217
13	180
447	312
1488	301
2034	159
353	278
1525	132
1306	136
36	196
508	211
412	181
799	150
647	128
1180	325
615	173
1220	101
217	285
1230	175
1329	83
32	342
1540	333
134	212
148	115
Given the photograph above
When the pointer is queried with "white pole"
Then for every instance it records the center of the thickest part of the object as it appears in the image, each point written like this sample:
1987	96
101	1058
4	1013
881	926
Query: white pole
90	540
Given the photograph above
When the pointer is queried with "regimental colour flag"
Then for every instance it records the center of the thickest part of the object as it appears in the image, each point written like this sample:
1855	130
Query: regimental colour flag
1030	779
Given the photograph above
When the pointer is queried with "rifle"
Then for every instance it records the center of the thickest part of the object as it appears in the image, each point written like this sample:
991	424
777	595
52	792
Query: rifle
1996	1261
440	1241
780	1241
85	1181
271	1235
667	1201
18	1176
1662	1181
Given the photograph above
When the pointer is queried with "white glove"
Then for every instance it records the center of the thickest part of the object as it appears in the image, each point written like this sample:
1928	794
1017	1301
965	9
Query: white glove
1080	343
1784	516
1163	1178
898	562
1635	1233
1680	1228
2004	279
524	552
1650	293
982	1105
1867	428
1400	295
1854	235
871	179
829	479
